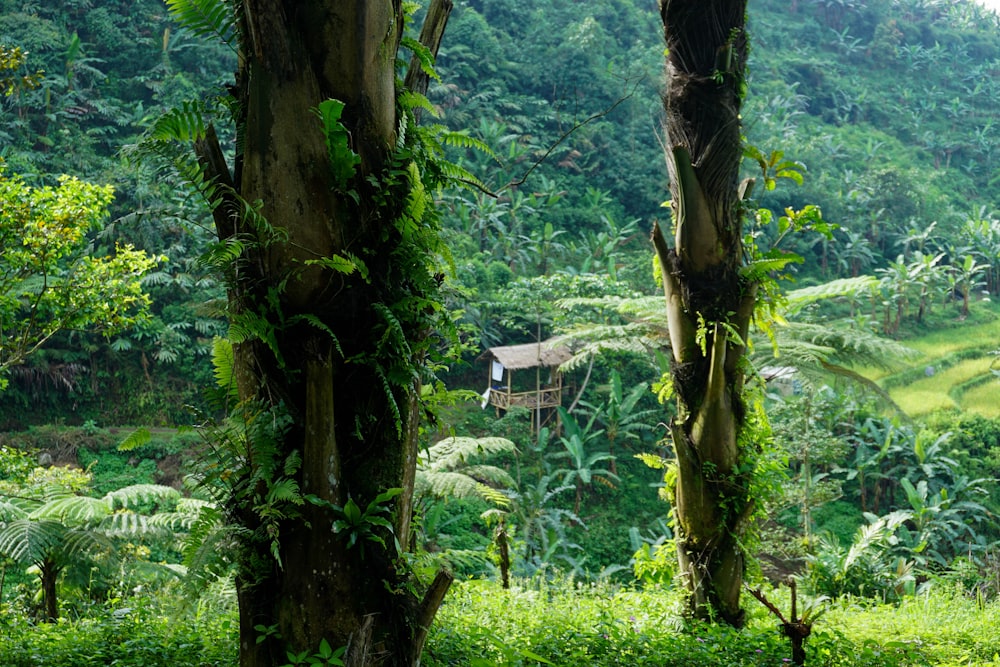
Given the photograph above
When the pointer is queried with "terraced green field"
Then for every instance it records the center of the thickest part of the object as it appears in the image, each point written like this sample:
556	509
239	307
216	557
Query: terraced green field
953	370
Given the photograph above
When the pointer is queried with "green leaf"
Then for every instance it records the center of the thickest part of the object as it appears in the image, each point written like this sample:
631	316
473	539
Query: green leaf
206	17
343	160
352	512
135	439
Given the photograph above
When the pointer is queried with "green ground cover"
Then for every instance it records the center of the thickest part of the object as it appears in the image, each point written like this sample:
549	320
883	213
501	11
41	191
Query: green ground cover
539	622
568	624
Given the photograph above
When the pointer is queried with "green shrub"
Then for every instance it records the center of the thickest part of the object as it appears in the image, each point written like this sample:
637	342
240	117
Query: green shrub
137	632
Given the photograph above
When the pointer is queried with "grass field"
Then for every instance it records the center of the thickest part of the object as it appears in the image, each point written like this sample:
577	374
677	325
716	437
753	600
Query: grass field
962	358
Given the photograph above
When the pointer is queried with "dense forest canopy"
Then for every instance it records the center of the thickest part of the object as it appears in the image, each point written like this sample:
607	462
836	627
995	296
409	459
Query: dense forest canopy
889	107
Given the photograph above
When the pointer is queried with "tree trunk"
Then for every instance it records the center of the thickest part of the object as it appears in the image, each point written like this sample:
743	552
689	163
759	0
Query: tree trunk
706	296
333	352
49	575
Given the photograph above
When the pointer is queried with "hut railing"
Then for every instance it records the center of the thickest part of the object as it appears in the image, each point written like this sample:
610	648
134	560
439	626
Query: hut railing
550	397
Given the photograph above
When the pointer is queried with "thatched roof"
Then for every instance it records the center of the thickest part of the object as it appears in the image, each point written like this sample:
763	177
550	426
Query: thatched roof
545	354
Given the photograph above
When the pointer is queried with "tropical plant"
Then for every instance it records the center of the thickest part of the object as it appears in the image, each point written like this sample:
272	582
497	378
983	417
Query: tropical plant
943	525
453	468
620	417
53	529
335	326
969	278
868	567
537	524
449	469
581	470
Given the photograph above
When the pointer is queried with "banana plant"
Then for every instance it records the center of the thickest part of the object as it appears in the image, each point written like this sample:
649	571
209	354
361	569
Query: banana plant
582	467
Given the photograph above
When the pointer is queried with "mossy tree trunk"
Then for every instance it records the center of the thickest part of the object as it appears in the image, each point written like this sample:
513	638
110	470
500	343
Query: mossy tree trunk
709	304
340	359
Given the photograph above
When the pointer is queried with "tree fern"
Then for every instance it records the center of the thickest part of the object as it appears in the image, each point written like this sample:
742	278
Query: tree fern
446	469
859	286
72	510
30	541
206	545
131	525
12	508
135	439
141	494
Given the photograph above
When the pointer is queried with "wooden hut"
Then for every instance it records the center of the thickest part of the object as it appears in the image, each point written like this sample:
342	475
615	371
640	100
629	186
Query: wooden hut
539	382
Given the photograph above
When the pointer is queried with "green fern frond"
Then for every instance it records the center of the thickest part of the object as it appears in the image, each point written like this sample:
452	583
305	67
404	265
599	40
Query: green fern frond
130	524
463	140
204	529
193	506
390	399
408	99
636	344
137	494
446	484
206	17
250	325
423	54
492	475
456	452
224	254
494	496
185	123
77	541
314	321
757	269
73	510
461	176
653	461
12	508
857	287
29	541
223	367
285	491
173	522
446	470
135	439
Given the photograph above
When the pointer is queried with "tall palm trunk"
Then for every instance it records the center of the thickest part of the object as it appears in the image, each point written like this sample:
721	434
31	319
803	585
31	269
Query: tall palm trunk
707	299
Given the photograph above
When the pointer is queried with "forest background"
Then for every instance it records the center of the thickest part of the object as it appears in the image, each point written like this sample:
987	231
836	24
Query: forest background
887	110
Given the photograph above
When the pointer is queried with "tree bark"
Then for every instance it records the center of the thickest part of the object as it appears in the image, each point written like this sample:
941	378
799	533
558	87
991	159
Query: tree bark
707	299
48	572
353	424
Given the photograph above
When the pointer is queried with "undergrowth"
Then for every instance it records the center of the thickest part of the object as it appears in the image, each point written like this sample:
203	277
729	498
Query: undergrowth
541	622
564	623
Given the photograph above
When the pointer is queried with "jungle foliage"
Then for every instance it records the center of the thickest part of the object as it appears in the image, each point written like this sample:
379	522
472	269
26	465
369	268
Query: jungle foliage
875	118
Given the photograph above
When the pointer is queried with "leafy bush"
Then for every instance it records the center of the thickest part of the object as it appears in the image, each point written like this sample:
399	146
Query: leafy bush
148	632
